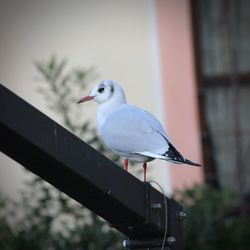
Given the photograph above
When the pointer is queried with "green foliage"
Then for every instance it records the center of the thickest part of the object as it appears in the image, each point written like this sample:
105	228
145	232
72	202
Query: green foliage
60	90
212	222
48	219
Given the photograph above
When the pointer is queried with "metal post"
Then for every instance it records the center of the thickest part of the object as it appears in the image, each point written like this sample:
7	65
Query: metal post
68	163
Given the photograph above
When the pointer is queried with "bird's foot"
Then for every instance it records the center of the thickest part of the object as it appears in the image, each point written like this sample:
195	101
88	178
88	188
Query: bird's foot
145	171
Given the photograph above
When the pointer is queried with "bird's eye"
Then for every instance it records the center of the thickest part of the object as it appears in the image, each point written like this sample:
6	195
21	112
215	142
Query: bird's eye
100	90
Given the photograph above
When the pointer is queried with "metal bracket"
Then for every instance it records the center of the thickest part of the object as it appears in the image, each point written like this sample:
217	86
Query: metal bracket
146	244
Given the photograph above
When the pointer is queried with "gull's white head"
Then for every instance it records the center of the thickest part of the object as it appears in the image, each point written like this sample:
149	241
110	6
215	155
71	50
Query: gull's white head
106	91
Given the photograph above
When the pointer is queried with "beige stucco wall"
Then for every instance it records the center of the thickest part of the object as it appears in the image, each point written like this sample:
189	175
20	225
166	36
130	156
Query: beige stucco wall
113	36
180	88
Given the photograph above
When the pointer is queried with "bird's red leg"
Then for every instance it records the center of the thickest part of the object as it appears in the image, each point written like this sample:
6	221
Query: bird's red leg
145	171
126	164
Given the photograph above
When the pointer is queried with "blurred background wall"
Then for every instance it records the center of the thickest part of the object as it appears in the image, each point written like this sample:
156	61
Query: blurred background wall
119	38
115	37
185	61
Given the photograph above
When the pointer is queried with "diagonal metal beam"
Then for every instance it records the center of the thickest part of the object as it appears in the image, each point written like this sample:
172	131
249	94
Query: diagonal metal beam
68	163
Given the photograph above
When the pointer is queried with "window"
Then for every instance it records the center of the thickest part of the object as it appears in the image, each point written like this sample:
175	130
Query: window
222	34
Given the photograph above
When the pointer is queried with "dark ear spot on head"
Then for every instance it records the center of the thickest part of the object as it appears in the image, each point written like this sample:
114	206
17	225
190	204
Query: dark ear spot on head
112	88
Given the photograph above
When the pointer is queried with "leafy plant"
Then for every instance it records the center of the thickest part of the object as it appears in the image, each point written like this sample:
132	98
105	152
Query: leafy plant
60	89
212	220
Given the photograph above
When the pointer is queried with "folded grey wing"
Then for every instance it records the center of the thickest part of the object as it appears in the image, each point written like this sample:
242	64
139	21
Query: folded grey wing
130	131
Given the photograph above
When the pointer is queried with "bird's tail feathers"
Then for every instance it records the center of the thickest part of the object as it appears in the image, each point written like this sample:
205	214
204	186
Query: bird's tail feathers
174	156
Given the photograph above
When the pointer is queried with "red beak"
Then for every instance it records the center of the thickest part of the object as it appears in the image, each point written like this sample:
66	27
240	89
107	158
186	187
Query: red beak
85	99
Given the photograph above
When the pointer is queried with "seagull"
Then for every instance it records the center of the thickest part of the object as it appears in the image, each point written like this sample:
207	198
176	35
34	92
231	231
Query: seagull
129	131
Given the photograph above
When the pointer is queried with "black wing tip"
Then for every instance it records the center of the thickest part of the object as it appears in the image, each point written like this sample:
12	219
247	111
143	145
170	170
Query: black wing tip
174	156
186	161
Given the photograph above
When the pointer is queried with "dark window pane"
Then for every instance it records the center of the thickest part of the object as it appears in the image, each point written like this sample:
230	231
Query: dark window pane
224	43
